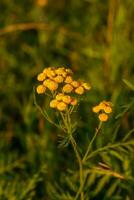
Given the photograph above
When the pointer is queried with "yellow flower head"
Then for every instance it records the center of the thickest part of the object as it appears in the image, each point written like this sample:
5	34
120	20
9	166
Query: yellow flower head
96	109
107	109
86	86
75	84
106	106
50	73
53	103
64	74
46	82
66	99
41	77
61	106
74	102
59	79
67	88
68	79
103	117
52	85
60	71
40	89
79	90
59	96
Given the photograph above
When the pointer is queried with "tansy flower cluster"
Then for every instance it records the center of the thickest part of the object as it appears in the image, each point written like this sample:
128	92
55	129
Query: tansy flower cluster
60	83
61	102
104	108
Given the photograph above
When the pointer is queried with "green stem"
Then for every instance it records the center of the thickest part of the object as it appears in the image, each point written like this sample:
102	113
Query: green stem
67	122
91	142
80	167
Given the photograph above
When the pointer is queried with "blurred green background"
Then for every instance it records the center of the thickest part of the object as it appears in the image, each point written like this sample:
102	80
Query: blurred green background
95	39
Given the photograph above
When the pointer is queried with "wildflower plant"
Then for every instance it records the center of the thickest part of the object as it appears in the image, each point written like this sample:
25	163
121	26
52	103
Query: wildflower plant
65	93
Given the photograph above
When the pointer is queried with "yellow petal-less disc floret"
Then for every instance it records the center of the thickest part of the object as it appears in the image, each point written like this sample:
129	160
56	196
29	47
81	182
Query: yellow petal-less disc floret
53	103
61	106
66	99
73	102
60	71
40	89
59	79
107	109
64	74
104	104
50	73
68	79
67	88
86	86
45	71
103	117
75	84
96	109
79	90
59	96
46	82
41	77
52	85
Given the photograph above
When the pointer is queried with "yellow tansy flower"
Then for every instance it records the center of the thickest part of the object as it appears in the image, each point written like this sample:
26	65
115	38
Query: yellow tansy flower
41	77
86	86
61	106
45	71
40	89
60	71
73	101
67	88
64	74
52	86
50	73
79	90
58	79
46	82
75	84
53	103
68	79
107	109
66	99
96	109
59	96
103	117
103	104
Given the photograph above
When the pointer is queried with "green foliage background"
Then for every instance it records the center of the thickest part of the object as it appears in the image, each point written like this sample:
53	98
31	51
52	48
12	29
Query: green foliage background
95	39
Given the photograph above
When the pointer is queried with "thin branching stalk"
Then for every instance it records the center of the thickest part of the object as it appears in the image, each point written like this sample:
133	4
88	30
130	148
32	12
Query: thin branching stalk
91	142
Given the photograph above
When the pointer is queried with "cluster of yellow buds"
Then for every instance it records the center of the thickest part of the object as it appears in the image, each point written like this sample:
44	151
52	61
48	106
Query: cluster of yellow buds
103	109
61	81
61	102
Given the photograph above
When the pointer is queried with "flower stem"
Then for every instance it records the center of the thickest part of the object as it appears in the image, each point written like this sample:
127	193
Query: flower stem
80	166
67	122
91	142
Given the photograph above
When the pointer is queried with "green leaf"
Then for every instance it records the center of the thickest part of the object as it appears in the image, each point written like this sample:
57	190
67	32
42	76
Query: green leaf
130	85
101	184
112	188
